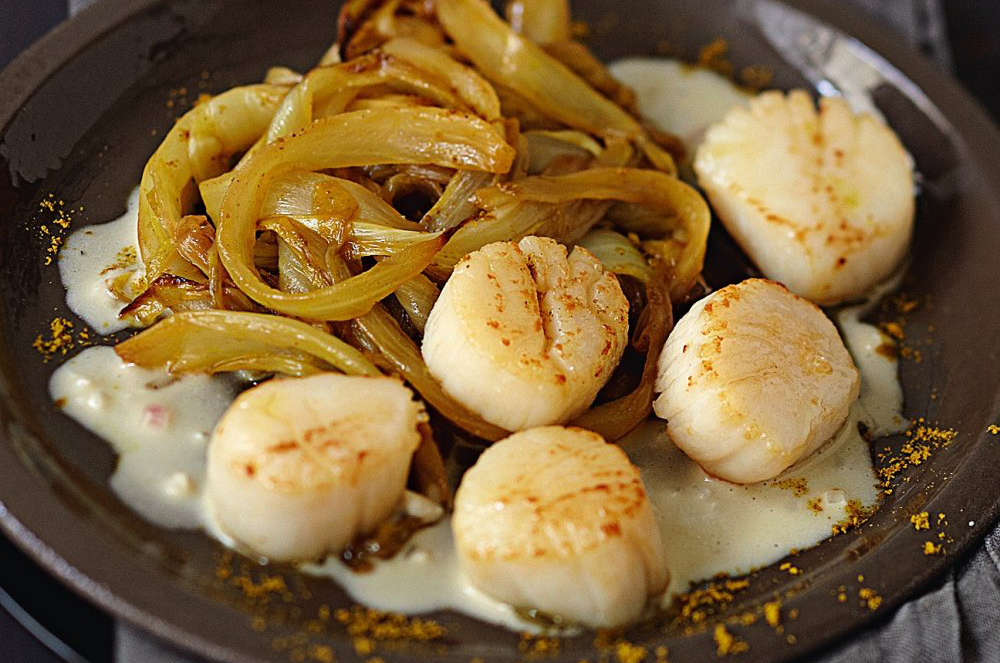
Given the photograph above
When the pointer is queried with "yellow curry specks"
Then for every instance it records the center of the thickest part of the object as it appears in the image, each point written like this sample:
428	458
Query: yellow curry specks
268	584
856	514
379	625
869	598
920	521
922	439
124	259
537	644
698	604
321	654
798	486
726	643
790	568
60	339
772	613
713	56
51	230
626	652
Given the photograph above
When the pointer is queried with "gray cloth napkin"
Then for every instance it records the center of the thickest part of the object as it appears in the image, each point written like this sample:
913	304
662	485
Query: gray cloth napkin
958	620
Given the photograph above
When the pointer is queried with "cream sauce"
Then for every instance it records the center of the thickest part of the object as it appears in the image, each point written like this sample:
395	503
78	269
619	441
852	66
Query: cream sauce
677	97
424	577
881	392
158	425
92	259
711	526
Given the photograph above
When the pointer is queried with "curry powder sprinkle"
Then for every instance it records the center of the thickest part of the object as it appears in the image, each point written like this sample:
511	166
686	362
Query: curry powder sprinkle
726	643
626	652
536	644
714	56
856	514
920	521
772	613
379	625
870	598
321	654
697	605
798	486
61	339
52	230
922	440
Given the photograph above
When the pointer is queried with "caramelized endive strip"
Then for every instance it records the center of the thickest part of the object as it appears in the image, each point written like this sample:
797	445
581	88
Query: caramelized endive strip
355	296
216	341
548	23
679	241
282	76
455	204
382	333
301	255
371	239
544	147
541	21
614	419
578	57
465	82
366	24
195	237
198	147
617	253
417	297
359	138
511	219
179	295
428	471
305	195
405	65
523	66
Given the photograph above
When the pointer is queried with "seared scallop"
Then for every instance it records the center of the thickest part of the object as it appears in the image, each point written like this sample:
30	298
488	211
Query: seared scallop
821	201
557	520
752	379
526	335
299	467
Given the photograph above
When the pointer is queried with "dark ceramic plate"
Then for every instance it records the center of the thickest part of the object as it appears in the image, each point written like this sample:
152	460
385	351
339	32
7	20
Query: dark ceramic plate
81	112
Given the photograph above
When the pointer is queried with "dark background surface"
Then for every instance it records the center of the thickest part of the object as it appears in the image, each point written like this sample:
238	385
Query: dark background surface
35	606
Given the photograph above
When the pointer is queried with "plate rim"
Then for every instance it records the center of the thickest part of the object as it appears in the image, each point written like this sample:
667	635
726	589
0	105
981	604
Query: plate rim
78	563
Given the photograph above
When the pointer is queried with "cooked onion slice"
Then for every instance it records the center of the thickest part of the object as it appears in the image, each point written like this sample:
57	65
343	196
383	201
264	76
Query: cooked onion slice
684	219
422	135
216	341
196	148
